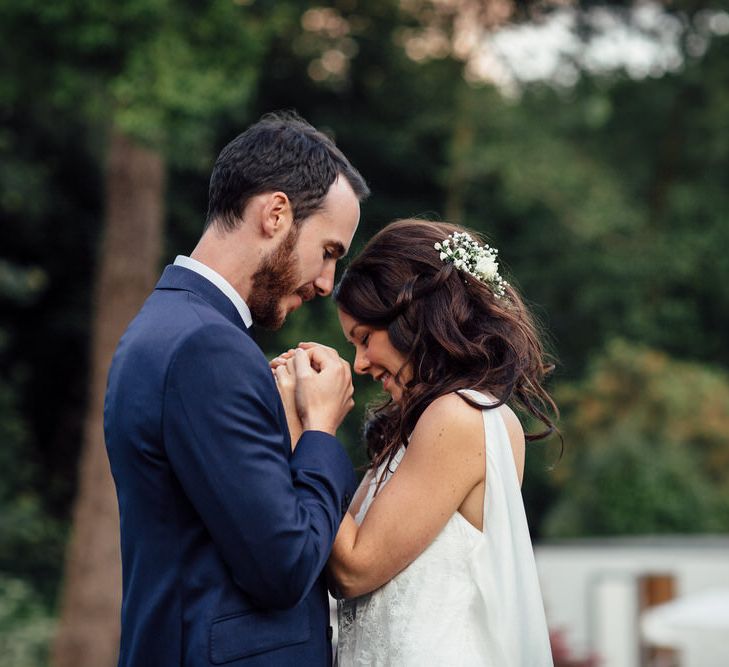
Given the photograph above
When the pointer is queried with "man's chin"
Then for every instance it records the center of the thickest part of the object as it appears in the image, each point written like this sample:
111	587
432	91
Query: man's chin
274	321
269	318
271	325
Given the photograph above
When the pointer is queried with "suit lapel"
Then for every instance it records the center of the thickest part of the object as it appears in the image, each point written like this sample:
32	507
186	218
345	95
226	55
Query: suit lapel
180	278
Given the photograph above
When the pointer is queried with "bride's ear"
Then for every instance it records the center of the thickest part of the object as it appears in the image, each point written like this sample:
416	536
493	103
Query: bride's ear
276	215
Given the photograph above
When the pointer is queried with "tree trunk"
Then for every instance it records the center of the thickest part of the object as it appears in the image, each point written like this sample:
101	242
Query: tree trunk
88	633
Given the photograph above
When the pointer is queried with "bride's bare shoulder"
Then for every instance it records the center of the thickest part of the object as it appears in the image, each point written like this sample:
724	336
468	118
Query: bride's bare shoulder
452	421
451	407
514	429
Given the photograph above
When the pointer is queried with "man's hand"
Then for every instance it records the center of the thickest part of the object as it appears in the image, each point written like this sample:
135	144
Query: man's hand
323	393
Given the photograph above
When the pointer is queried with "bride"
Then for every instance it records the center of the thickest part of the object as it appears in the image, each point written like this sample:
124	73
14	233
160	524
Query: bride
433	563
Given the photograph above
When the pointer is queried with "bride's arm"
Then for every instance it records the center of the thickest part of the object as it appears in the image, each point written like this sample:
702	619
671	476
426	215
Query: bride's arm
357	501
444	460
361	493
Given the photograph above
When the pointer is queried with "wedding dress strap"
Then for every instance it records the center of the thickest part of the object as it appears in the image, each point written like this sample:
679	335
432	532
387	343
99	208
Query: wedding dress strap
482	398
501	474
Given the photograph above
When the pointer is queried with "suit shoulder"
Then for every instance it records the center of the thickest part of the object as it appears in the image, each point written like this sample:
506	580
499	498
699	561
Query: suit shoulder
198	322
219	337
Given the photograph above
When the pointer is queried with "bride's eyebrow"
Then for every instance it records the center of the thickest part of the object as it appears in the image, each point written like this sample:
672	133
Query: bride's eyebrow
354	329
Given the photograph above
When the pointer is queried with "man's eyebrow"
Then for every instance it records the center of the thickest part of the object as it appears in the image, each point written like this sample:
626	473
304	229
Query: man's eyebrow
337	249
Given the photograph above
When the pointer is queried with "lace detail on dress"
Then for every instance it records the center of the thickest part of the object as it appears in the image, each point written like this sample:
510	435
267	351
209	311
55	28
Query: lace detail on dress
463	602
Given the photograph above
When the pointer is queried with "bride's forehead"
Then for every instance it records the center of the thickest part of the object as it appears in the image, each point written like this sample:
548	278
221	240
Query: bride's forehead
348	322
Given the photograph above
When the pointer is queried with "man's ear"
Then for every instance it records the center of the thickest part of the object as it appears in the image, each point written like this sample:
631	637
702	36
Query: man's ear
277	215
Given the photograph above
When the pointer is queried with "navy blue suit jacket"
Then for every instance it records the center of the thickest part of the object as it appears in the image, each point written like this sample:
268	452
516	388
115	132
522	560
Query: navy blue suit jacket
224	532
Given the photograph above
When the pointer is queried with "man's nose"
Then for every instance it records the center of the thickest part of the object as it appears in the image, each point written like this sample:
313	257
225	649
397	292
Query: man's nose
324	284
361	363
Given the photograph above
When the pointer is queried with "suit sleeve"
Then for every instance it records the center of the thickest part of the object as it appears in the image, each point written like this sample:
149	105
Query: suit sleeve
272	515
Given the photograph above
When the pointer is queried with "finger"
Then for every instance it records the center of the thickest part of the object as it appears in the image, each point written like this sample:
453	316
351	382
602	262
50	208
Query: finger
310	345
322	356
280	374
281	358
302	367
291	366
306	345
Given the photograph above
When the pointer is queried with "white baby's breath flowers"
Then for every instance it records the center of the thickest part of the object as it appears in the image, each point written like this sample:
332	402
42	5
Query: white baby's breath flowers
476	260
487	267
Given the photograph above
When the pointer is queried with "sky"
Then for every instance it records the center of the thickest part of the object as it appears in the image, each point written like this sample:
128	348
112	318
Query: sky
642	41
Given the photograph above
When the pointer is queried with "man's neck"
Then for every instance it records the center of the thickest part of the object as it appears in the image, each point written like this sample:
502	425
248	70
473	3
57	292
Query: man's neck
230	254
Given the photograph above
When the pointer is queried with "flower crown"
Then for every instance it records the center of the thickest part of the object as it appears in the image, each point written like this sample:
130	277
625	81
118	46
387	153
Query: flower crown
476	260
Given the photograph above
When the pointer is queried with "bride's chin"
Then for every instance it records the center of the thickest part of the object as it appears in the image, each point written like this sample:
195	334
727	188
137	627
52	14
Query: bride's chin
395	394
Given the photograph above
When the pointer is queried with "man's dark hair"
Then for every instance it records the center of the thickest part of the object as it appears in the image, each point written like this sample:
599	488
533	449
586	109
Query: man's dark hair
281	152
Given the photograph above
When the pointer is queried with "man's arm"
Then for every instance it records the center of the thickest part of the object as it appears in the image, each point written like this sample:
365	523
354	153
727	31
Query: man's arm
273	517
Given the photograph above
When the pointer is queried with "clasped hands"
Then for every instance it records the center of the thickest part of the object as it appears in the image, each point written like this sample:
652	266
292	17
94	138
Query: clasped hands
315	385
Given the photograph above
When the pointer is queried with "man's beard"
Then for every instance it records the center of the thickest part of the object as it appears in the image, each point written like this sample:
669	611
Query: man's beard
275	278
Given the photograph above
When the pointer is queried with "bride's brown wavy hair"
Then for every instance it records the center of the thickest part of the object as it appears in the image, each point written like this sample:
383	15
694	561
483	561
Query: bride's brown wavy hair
453	330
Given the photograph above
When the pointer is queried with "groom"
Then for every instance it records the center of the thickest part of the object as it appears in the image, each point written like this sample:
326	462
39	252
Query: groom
226	525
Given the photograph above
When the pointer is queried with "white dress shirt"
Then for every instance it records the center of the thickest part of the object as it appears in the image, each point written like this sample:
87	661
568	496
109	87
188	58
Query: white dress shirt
221	283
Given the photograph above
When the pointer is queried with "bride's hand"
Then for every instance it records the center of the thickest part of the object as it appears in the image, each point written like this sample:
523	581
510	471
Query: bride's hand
281	359
285	376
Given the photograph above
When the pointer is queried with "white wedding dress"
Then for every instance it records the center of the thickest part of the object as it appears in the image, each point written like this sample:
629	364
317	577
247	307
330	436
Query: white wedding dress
471	599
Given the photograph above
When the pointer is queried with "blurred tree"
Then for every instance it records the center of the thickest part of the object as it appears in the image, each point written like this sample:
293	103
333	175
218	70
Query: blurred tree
180	66
127	269
648	447
148	79
606	195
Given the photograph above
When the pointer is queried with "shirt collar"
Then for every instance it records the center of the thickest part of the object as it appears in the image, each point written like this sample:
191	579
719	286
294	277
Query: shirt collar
221	283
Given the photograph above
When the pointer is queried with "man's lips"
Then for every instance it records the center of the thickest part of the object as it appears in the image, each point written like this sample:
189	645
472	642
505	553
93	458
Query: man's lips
306	293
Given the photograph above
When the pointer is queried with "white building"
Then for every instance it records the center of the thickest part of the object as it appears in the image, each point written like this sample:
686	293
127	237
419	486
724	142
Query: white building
595	591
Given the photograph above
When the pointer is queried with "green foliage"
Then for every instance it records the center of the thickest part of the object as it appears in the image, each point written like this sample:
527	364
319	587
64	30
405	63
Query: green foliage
628	486
26	626
646	448
31	541
195	66
21	285
160	71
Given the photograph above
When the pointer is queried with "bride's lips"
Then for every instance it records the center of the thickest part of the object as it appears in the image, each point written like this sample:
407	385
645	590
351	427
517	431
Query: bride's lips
386	380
